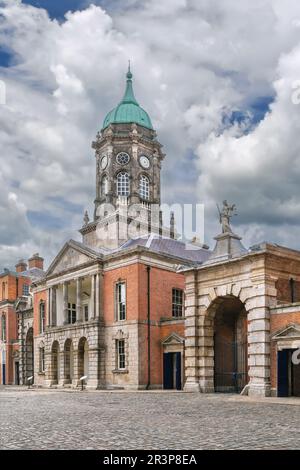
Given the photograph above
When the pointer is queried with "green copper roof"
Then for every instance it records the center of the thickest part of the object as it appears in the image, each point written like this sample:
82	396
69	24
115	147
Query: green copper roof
128	110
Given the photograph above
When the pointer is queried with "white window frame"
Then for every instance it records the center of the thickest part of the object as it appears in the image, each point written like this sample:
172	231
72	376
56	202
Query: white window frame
120	299
144	187
123	184
121	354
176	304
71	313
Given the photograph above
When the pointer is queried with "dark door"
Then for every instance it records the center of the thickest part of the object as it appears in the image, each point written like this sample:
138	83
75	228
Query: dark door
172	370
283	373
168	370
230	365
3	374
17	373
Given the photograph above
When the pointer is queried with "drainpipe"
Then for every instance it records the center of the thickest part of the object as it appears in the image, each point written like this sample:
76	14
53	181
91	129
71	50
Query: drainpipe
148	325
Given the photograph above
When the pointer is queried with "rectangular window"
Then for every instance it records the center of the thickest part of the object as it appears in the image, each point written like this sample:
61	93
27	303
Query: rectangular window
86	312
42	317
121	359
3	328
121	301
25	289
42	360
177	303
71	313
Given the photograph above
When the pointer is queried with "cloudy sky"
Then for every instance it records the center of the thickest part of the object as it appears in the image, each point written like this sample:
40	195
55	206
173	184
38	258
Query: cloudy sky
219	78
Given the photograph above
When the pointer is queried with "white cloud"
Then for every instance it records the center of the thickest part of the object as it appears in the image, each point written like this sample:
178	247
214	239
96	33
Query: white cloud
194	63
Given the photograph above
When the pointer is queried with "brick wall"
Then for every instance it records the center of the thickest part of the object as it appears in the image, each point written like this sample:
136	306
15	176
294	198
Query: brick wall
38	297
284	291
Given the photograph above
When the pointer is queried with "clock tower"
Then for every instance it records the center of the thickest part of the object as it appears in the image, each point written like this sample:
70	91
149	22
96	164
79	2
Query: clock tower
128	164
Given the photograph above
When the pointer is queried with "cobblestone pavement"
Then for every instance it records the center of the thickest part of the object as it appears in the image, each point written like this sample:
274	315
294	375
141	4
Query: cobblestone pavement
45	419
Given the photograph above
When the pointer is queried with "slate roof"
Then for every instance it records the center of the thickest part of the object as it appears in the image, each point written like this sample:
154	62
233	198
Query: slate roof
168	246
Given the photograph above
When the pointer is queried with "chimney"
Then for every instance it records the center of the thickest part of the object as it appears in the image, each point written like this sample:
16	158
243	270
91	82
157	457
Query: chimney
36	261
21	266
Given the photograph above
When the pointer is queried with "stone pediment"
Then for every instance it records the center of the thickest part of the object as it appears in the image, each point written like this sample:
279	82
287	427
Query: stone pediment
173	338
72	254
290	332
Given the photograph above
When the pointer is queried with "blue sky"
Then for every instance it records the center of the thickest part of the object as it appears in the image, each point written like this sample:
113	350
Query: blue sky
57	8
218	94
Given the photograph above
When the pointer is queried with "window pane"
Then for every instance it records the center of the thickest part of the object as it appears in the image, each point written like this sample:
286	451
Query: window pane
121	301
123	184
177	303
121	353
144	187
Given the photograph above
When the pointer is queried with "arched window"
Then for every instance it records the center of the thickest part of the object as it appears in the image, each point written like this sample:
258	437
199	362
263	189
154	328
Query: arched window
3	328
144	187
42	317
123	184
104	185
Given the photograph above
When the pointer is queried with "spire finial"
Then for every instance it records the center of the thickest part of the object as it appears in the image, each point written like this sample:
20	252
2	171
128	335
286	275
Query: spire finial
129	74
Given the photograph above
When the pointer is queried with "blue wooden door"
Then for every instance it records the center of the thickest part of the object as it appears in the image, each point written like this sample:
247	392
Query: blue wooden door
283	373
168	370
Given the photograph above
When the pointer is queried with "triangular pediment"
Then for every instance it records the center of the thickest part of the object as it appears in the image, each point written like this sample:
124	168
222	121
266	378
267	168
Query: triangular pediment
291	331
72	255
173	338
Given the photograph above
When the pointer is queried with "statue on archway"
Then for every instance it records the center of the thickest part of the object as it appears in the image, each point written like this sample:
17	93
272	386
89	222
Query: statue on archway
225	215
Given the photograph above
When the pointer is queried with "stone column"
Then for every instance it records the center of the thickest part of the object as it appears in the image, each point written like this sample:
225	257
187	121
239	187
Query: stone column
76	377
259	339
205	348
97	307
65	299
49	319
79	312
93	374
53	306
101	293
191	334
48	368
61	368
92	313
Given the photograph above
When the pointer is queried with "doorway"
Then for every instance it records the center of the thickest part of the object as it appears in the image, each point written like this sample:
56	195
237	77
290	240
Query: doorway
17	373
230	347
288	374
172	371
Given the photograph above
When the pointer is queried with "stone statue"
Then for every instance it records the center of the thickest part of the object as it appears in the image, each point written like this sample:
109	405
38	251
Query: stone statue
225	216
86	218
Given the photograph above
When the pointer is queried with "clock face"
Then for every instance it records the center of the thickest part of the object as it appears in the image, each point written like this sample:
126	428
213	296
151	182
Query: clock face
104	161
123	158
144	161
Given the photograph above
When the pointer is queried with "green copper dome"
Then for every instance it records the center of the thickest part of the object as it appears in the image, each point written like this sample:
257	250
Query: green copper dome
128	110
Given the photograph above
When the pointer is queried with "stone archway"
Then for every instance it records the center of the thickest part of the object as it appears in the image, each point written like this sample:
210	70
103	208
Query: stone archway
83	358
68	362
230	344
55	363
29	356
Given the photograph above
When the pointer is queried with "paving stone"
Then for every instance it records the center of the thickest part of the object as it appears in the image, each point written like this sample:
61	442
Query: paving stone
55	419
